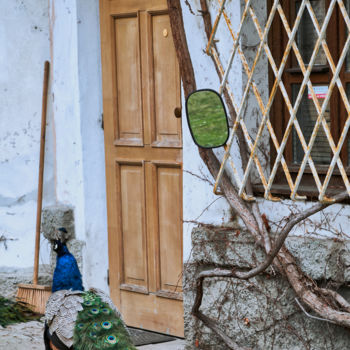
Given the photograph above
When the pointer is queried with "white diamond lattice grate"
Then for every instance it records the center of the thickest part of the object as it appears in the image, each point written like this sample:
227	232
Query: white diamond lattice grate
251	87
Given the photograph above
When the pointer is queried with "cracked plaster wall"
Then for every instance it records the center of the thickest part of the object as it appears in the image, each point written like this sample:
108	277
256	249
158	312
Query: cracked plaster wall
24	42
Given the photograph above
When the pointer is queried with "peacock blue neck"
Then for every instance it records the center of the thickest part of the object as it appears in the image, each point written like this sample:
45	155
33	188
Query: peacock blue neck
66	274
63	250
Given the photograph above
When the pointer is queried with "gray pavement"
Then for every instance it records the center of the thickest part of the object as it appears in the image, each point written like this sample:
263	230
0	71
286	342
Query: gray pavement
29	336
171	345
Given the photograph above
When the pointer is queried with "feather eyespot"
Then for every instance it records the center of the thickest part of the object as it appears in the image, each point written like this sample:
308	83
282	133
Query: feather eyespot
96	326
87	303
106	311
93	334
106	325
94	311
111	339
80	325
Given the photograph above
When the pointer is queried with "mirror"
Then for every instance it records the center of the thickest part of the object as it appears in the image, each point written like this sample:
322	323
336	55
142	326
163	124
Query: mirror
207	119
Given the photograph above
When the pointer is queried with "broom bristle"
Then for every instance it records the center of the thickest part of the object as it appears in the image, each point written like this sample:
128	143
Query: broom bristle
35	296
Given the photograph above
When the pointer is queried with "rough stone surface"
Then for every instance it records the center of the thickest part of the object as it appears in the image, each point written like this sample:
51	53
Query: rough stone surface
10	277
262	313
318	258
54	217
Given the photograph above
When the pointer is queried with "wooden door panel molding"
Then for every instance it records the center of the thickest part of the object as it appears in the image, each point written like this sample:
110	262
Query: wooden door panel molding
137	312
147	153
167	199
132	225
128	113
166	129
169	222
134	288
159	214
125	6
169	295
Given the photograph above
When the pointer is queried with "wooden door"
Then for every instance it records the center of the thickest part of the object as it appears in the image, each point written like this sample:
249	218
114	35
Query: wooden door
141	89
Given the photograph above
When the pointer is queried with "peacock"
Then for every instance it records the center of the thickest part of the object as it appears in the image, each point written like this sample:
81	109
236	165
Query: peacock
66	274
78	319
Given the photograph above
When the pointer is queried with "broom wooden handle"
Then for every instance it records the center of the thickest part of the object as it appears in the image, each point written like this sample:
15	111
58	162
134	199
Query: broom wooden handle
41	172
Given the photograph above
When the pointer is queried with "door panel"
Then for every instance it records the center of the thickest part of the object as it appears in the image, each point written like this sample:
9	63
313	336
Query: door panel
170	214
133	225
153	312
141	89
128	77
167	131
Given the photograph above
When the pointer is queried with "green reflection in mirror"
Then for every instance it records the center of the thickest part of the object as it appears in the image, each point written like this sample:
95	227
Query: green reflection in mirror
207	118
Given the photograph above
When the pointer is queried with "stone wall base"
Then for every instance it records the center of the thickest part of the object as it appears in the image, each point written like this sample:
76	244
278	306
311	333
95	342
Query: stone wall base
262	313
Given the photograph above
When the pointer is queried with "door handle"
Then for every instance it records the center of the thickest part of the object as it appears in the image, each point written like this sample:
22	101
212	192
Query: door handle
178	112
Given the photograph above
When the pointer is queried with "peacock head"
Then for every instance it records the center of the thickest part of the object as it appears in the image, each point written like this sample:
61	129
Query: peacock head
59	247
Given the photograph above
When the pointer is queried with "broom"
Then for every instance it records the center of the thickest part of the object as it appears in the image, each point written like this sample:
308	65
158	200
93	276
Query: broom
34	295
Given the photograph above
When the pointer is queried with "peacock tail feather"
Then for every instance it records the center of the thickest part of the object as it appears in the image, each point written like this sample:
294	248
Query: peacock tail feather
15	312
99	327
86	321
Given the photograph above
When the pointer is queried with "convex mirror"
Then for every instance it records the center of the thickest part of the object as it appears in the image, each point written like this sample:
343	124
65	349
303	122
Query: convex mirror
207	119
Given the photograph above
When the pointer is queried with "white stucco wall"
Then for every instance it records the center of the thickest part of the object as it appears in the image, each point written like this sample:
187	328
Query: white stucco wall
199	202
77	115
96	253
24	42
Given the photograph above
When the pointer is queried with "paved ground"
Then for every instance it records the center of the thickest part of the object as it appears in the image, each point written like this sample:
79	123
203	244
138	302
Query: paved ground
171	345
29	336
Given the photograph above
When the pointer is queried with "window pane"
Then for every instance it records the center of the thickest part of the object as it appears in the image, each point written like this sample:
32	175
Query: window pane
307	36
307	116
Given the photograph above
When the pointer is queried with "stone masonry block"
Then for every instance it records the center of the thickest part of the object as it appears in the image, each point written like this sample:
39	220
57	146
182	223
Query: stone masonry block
54	217
261	313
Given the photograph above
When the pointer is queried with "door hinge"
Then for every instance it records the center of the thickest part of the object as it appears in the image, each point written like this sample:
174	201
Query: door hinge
108	276
102	121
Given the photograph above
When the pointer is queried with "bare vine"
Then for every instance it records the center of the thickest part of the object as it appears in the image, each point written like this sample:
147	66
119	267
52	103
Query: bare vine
326	303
